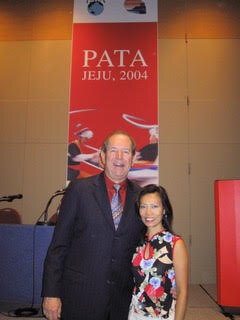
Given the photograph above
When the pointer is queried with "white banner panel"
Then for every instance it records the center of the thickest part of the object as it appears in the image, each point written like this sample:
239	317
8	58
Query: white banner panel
92	11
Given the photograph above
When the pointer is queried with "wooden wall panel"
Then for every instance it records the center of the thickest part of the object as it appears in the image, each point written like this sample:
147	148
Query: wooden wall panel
208	19
36	20
217	19
16	20
171	19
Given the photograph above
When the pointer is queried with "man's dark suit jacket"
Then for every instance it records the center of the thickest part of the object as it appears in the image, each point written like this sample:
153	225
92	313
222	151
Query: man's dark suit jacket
88	264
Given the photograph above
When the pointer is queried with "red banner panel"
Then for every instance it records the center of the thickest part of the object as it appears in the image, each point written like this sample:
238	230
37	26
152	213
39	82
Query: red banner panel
113	86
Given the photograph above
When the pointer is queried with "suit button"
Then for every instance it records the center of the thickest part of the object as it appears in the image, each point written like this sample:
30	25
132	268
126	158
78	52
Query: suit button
113	260
108	281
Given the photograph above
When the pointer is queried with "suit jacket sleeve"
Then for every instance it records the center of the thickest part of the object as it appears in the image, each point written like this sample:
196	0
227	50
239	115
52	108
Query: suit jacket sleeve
59	247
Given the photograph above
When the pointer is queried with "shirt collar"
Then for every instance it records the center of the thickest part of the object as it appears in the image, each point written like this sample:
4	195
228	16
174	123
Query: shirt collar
110	183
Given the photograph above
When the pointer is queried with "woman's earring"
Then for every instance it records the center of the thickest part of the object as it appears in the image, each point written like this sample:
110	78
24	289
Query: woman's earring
164	212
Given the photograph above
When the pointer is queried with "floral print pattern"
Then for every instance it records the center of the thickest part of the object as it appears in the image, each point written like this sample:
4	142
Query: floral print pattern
154	277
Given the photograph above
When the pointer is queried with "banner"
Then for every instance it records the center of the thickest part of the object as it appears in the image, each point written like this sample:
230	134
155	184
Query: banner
113	86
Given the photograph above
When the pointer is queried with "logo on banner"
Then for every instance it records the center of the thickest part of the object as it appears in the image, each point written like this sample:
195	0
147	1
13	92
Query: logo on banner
135	6
95	7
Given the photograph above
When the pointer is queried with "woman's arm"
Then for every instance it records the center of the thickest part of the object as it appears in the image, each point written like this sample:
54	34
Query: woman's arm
180	262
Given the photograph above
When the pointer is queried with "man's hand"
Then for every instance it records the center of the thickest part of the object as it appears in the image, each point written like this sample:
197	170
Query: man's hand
52	308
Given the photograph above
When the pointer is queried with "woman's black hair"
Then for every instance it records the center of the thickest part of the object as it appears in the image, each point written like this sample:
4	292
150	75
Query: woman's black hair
168	212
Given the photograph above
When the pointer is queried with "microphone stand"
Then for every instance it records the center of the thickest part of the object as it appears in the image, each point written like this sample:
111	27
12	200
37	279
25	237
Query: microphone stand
45	212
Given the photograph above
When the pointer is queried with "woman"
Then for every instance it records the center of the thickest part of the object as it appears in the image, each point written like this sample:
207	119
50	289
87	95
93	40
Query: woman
160	263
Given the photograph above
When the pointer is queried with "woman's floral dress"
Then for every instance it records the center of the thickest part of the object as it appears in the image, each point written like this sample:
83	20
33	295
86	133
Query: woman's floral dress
154	277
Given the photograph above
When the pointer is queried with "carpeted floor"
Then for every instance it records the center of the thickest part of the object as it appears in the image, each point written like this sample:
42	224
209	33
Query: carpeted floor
201	306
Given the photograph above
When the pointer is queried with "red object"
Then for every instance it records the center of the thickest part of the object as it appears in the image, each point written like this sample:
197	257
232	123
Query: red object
227	210
113	73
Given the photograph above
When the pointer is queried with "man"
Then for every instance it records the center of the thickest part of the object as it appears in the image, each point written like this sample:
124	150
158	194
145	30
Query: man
87	271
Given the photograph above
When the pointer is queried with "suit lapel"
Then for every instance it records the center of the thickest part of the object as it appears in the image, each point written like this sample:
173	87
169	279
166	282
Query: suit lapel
128	210
101	196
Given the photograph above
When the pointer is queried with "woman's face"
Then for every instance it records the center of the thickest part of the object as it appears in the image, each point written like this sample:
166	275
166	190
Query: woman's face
151	212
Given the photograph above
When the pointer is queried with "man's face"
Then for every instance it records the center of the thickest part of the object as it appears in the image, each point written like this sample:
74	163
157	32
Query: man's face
118	158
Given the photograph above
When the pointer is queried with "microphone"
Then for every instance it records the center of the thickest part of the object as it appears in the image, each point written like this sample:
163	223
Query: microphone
12	197
60	191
